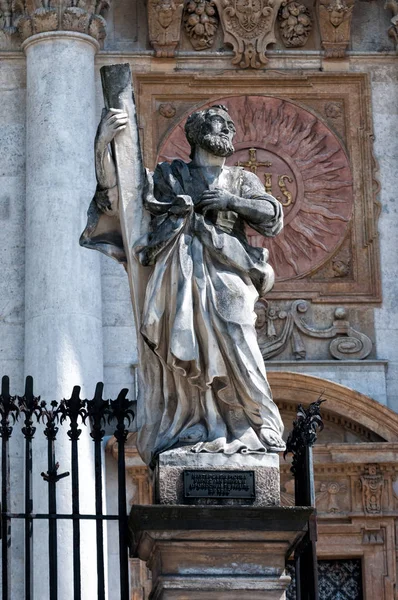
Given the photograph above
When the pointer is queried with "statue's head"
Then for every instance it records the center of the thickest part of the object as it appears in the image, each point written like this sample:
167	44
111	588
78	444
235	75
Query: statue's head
211	129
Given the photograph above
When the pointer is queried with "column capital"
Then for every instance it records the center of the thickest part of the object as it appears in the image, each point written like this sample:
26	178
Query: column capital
33	17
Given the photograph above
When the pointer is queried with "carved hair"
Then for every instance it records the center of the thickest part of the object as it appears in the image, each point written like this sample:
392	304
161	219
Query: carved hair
195	121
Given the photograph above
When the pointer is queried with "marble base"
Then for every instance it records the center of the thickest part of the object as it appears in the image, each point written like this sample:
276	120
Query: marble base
216	553
169	485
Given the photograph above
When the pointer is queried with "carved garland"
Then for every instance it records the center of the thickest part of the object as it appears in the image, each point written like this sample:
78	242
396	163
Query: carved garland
295	24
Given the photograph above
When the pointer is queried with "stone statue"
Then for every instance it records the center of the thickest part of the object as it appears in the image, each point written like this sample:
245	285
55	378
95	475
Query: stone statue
204	382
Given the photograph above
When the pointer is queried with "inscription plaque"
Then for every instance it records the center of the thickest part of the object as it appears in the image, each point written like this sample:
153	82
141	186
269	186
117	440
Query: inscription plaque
219	484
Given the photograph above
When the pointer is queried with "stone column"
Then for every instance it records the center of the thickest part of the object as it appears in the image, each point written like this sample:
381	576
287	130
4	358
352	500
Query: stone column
63	331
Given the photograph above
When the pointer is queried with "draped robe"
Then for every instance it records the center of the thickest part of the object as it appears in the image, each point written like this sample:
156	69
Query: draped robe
202	372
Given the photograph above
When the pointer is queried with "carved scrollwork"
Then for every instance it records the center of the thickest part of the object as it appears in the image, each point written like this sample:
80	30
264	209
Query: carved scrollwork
295	24
249	29
346	342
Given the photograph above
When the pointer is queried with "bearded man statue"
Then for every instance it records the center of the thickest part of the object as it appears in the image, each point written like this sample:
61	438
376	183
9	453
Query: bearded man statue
204	383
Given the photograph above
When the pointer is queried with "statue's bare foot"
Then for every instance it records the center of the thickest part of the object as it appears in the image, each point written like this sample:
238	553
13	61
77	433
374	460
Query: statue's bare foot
272	441
193	435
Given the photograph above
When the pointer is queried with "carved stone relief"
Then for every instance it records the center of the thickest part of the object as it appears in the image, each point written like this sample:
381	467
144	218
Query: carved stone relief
295	136
392	5
249	28
346	342
304	165
295	24
328	498
164	24
167	110
66	15
9	37
372	484
201	23
335	26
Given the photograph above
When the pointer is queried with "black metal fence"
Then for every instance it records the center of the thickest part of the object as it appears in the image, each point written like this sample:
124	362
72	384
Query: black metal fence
28	411
300	442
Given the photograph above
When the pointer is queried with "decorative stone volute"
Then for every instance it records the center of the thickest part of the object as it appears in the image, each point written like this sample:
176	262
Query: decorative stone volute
38	16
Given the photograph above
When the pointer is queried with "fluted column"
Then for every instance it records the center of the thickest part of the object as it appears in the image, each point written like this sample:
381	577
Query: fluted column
63	331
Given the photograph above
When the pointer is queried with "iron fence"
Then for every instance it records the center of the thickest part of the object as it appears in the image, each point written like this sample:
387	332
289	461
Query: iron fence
300	442
74	414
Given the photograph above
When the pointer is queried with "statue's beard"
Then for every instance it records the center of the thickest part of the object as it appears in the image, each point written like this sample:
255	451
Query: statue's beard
217	145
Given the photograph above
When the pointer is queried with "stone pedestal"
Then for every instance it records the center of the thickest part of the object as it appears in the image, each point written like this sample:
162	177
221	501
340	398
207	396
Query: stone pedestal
172	464
216	553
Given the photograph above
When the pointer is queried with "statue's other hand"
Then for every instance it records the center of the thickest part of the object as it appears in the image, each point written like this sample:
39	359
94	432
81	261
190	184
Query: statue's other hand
182	205
217	199
112	122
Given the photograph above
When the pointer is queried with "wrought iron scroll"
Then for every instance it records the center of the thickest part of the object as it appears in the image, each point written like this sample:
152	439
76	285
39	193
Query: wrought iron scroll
300	442
77	414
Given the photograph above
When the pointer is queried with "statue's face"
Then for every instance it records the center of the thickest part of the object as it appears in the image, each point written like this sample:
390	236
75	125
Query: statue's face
217	133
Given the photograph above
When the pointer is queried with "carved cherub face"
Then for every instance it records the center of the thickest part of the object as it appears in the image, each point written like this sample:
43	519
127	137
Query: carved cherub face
336	17
337	11
261	315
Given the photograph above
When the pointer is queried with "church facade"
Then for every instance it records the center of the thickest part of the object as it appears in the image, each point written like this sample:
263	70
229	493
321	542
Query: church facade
312	89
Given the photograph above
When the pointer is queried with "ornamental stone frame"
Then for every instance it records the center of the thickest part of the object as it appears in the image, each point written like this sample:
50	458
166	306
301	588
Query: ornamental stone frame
338	258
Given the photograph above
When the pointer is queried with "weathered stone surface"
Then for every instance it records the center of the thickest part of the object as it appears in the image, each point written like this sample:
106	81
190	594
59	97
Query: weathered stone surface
216	553
172	464
63	328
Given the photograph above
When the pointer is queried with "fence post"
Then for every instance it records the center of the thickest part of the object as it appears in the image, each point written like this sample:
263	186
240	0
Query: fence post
9	412
300	442
97	410
120	410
